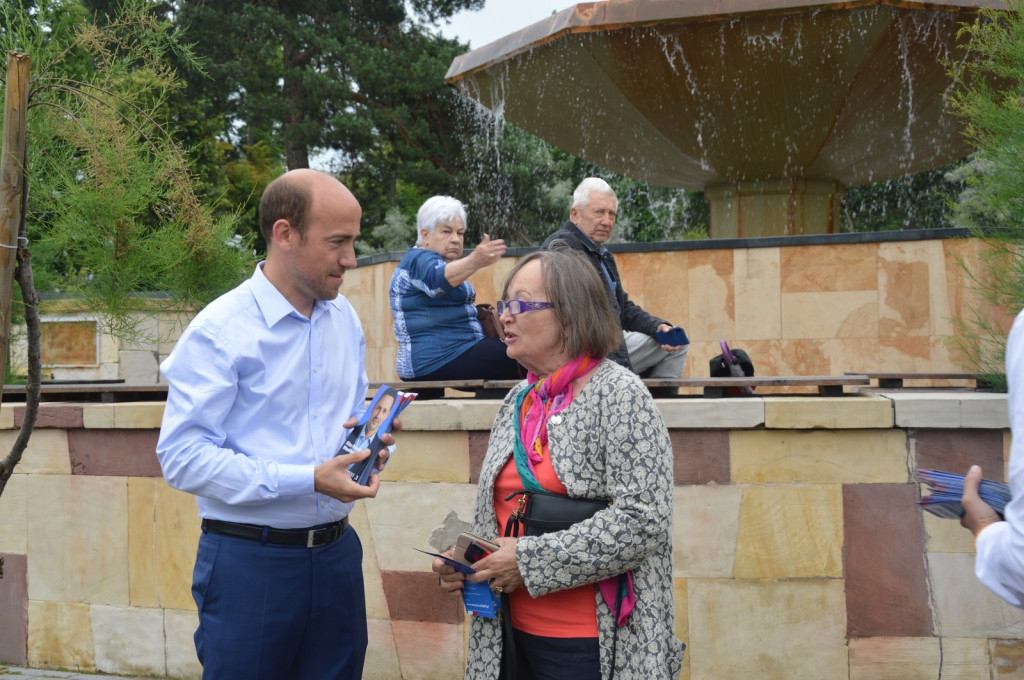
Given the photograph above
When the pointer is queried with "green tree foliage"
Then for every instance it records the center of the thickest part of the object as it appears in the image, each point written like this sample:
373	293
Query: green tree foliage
111	209
990	100
287	80
921	201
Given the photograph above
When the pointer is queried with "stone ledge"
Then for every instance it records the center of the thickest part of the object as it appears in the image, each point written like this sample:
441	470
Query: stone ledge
833	413
728	413
451	414
679	413
950	409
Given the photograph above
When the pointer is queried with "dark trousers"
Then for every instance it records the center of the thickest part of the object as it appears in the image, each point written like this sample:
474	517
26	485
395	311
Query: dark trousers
272	612
485	360
544	658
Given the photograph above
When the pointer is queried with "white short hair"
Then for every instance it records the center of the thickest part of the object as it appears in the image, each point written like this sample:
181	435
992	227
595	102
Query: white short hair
438	210
581	196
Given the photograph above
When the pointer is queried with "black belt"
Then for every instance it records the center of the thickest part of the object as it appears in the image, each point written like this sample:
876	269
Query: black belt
309	538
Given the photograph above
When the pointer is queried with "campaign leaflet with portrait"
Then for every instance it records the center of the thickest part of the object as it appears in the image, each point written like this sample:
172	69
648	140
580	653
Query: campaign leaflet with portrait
376	420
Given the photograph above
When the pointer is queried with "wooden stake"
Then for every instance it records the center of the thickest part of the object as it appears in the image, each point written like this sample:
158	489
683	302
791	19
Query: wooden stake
12	182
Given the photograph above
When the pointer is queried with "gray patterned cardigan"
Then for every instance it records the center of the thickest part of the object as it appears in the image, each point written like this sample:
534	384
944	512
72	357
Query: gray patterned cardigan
611	442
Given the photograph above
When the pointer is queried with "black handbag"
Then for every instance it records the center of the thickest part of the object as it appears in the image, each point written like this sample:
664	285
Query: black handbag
541	512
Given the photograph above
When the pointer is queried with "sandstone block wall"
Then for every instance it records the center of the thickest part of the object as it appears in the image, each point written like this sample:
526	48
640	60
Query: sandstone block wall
799	305
798	549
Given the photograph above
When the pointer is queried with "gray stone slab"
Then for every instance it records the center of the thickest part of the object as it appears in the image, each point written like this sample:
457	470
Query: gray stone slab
949	409
735	413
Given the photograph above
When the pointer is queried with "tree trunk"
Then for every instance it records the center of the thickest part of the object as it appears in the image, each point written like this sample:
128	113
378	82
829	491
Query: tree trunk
12	184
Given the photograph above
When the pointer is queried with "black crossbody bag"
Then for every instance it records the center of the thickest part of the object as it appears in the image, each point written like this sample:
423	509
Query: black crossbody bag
538	513
541	512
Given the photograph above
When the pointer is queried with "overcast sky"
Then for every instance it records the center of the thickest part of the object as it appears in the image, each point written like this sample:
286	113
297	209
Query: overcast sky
498	18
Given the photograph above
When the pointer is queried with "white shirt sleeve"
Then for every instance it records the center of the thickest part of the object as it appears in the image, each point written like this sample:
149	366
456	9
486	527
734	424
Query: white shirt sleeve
1000	561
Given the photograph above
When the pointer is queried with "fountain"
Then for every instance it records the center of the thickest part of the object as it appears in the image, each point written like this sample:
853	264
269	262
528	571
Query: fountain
771	107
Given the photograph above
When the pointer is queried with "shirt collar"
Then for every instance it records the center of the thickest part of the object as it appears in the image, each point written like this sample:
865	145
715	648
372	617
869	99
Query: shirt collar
589	242
273	305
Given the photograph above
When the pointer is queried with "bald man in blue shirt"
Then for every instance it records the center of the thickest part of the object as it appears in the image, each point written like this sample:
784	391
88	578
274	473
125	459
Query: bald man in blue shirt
263	388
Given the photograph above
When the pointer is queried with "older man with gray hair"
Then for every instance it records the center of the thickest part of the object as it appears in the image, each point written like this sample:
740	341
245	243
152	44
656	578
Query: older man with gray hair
590	224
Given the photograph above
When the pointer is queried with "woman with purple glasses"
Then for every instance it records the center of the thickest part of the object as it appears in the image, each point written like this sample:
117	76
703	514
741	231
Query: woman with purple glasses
594	600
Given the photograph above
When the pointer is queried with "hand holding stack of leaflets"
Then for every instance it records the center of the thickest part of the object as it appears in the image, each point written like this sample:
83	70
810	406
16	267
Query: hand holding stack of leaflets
947	488
479	599
377	419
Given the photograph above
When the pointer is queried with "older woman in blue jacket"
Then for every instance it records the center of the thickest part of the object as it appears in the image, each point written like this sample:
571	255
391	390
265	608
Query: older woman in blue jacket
434	306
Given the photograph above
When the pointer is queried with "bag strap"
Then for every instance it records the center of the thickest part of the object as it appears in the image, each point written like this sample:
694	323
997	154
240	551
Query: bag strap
512	525
511	661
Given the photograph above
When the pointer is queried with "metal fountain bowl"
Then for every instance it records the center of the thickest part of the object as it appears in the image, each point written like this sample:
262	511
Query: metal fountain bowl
744	99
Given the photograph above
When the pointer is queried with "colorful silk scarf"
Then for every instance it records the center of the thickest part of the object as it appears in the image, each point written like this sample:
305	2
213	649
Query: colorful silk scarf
534	405
543	399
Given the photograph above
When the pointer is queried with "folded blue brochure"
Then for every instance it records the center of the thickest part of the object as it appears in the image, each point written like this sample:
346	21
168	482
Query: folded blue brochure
479	599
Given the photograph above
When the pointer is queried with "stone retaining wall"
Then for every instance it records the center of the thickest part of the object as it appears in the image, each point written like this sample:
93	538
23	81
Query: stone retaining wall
799	551
799	305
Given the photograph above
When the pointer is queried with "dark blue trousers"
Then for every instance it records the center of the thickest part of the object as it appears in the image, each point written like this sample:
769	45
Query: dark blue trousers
272	612
544	658
486	359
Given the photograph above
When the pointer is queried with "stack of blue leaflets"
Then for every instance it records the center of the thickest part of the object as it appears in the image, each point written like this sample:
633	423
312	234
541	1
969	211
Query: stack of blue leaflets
947	488
479	599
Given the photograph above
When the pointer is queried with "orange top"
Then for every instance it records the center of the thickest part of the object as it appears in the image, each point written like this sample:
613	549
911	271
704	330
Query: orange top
562	613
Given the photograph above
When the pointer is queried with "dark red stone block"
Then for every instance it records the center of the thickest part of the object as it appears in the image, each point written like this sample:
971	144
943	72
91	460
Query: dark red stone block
114	453
701	456
14	605
416	596
477	450
63	416
886	592
956	450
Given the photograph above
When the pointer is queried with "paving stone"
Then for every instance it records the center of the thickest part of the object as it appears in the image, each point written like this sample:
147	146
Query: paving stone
46	453
14	605
700	456
65	563
141	629
705	526
964	607
114	452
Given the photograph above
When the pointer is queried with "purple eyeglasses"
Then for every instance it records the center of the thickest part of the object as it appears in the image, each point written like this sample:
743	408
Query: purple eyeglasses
515	307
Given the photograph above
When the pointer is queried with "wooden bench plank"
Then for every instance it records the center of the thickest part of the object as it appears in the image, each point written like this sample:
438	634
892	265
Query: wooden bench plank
716	388
106	392
413	385
481	389
829	385
894	379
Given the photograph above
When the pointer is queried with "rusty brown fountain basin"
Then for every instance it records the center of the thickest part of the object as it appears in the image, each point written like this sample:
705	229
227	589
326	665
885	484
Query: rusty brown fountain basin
772	108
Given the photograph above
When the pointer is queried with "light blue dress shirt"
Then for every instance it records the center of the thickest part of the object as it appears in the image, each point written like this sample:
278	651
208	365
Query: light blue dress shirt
257	395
